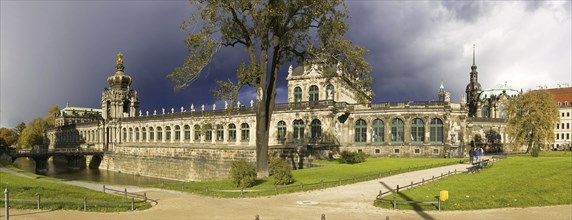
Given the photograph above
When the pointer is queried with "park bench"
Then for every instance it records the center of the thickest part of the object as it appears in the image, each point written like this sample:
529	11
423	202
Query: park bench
478	166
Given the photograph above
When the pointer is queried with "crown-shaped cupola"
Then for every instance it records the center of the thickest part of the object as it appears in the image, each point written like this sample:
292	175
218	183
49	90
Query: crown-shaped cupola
119	79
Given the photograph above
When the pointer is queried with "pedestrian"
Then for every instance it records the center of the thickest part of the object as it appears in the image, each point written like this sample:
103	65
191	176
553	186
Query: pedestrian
472	154
478	155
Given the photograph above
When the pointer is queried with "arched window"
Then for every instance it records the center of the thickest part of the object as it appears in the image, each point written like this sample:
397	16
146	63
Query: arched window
177	132
143	134
187	129
281	130
159	133
151	134
417	130
219	133
124	134
297	94
314	93
377	131
316	129
168	133
485	111
244	132
232	132
565	103
208	132
197	132
330	92
360	131
298	130
436	130
137	134
397	130
501	111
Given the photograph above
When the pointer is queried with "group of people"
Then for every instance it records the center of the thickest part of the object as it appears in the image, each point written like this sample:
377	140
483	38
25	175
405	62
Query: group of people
476	154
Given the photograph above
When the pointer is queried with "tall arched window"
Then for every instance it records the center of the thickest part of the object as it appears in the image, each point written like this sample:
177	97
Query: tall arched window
377	131
436	130
197	132
232	132
244	132
397	130
137	134
177	132
485	111
124	134
208	132
316	129
187	129
360	131
143	134
298	130
130	134
219	133
314	93
417	130
297	94
281	130
159	133
168	133
151	134
330	92
501	111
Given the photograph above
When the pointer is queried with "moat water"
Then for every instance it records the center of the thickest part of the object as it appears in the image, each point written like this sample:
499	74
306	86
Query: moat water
59	169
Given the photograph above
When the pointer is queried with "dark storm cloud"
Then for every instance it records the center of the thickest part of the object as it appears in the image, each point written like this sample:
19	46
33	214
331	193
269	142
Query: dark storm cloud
468	11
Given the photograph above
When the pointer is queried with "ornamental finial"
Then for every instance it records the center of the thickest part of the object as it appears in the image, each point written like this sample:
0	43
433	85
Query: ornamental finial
119	58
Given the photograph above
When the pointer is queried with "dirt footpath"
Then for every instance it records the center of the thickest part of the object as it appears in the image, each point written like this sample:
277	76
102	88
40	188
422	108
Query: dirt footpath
344	202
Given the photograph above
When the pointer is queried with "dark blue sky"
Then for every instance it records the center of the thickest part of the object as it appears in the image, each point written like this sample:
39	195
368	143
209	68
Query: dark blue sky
58	52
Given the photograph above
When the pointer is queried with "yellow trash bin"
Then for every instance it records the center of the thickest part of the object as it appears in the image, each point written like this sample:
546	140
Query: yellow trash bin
444	195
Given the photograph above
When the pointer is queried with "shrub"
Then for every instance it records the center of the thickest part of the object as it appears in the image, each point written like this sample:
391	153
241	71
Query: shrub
281	171
242	173
352	157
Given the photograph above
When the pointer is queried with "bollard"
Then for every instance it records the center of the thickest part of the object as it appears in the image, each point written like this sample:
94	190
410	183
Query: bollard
256	217
207	189
322	183
439	202
84	204
301	186
276	188
397	188
104	188
125	192
394	202
6	204
411	186
449	173
38	201
323	216
441	174
423	181
241	191
132	203
455	170
145	197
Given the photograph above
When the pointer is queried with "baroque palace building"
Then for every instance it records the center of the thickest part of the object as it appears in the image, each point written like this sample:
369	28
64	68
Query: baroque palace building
321	118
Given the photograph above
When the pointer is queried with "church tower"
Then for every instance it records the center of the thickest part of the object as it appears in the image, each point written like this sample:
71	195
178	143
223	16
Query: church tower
442	92
118	101
473	89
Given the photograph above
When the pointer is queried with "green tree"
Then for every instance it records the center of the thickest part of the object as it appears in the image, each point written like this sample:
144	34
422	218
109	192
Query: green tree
531	118
33	134
272	32
20	127
8	137
52	114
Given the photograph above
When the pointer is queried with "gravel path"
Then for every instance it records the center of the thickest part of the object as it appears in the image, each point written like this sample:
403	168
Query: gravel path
344	202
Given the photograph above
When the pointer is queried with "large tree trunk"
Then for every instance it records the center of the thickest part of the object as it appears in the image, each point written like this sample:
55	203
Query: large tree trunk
262	118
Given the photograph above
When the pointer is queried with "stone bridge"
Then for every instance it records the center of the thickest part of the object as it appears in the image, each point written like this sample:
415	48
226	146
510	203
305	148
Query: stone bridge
75	156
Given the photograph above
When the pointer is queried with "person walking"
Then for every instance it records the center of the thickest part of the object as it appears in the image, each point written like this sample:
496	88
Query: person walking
472	154
478	155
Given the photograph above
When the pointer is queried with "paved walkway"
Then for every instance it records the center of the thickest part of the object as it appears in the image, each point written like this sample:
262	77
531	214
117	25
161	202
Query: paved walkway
344	202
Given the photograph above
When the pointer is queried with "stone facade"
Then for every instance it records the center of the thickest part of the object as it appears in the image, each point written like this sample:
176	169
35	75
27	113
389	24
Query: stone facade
321	118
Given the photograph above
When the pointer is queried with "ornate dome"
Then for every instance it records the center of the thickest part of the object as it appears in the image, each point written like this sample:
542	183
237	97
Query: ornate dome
119	79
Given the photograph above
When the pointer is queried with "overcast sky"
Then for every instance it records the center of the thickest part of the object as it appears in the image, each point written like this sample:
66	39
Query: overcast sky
58	52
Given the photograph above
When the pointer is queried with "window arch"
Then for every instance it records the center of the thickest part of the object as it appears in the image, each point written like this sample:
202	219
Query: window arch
397	130
360	131
281	135
168	133
187	130
297	94
417	130
159	133
298	129
219	132
232	132
330	92
197	132
316	129
244	132
130	135
151	134
501	111
436	130
124	134
485	111
565	103
177	132
143	134
208	132
137	134
378	131
314	93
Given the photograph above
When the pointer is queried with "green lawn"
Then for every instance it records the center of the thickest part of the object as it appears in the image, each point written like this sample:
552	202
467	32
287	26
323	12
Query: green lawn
27	189
331	175
521	181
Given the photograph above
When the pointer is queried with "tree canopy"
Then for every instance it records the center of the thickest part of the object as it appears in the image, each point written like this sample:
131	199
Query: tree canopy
531	118
272	32
33	134
8	137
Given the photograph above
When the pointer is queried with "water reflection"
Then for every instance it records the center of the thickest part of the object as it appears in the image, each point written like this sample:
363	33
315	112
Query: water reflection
59	169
